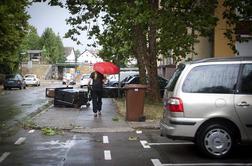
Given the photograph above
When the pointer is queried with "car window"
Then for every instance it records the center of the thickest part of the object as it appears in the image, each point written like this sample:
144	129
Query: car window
172	82
85	76
212	79
246	81
135	80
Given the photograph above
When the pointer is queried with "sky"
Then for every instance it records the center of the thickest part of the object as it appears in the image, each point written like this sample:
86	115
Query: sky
43	16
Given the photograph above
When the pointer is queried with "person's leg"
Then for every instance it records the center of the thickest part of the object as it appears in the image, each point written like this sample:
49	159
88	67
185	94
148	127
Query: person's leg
95	102
99	102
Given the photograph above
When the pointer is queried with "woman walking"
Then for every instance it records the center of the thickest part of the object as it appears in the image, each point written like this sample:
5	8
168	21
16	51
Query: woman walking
96	91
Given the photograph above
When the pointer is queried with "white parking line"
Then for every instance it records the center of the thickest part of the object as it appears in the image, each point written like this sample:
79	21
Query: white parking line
105	140
145	144
156	162
107	155
20	141
4	156
172	143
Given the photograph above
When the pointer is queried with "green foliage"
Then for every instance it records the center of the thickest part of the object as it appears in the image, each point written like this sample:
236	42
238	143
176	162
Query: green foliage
146	29
13	28
31	41
237	11
181	23
48	131
53	50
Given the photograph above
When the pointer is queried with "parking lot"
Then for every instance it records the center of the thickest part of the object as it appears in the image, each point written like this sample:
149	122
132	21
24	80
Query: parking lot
141	147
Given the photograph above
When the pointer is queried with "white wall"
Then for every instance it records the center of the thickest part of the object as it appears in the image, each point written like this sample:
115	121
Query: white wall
244	48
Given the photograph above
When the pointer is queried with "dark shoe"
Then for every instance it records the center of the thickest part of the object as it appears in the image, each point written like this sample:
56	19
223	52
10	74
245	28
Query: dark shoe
95	114
99	113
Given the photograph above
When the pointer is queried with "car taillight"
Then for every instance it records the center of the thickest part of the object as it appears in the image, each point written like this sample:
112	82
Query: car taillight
174	104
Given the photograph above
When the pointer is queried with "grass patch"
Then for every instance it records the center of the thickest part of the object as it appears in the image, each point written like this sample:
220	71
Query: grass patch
152	111
51	131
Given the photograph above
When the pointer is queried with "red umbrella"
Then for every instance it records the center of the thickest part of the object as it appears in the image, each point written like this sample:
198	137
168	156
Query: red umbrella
106	68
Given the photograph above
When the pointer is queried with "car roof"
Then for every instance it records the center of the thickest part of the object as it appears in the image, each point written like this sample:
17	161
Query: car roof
224	59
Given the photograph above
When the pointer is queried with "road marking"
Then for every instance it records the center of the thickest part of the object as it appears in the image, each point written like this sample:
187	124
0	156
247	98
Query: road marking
31	131
20	141
105	140
172	143
4	156
74	137
156	162
107	155
139	131
145	144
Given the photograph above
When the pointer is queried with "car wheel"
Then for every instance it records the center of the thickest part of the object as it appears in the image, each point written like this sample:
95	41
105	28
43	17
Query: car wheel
5	88
216	140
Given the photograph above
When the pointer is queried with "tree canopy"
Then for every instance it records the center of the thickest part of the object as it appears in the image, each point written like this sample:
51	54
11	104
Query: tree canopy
52	46
13	28
145	29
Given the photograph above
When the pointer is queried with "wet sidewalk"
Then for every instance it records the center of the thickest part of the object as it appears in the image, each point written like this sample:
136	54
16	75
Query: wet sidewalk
83	120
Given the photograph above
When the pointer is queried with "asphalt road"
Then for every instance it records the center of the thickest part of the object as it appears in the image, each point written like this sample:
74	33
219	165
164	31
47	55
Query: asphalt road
31	147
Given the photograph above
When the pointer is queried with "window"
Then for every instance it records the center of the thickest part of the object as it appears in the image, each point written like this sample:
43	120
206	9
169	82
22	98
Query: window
212	79
246	81
172	82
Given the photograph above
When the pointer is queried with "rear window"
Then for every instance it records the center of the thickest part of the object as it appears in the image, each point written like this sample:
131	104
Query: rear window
10	76
172	82
212	79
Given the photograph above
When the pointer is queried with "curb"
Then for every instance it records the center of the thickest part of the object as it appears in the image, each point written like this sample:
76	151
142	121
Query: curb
148	124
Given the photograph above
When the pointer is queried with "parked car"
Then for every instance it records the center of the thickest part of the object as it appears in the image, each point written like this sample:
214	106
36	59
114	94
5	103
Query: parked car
68	79
31	79
210	103
135	79
112	80
84	80
14	81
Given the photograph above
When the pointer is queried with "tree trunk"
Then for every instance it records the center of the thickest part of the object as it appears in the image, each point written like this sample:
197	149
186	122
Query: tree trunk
140	51
152	54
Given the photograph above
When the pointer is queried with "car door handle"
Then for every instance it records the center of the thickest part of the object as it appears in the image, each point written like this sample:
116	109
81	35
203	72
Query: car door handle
242	104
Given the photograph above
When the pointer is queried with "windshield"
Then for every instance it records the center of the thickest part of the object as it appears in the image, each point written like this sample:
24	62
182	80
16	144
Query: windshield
29	76
172	82
10	76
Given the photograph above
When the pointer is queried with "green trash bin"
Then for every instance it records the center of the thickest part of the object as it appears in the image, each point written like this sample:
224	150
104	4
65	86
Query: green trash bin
135	102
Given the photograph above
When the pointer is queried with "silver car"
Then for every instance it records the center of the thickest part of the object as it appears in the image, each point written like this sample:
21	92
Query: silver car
210	103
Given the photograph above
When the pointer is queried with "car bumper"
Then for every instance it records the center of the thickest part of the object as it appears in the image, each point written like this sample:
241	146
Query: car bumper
180	128
31	82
